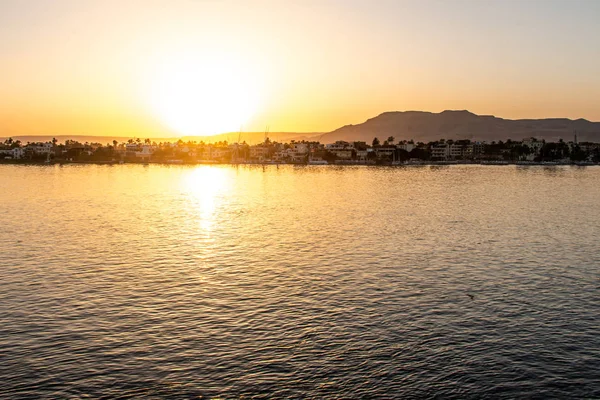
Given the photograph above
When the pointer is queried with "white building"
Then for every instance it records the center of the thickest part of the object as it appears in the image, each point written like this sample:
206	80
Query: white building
406	146
450	151
385	151
362	155
16	153
299	148
259	152
40	148
339	145
440	152
456	151
342	150
145	151
534	144
132	147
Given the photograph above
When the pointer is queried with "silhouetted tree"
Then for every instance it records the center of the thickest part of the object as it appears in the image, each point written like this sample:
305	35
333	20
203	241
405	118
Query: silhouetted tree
577	154
401	155
419	153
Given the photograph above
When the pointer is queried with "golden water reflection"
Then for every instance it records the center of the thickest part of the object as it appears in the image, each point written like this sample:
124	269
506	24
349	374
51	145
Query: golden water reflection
232	280
204	186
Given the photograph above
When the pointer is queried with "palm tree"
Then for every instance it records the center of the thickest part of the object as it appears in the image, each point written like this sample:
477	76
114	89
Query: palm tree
390	140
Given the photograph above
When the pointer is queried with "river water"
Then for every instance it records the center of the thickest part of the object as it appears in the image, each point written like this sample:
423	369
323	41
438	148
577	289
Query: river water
155	281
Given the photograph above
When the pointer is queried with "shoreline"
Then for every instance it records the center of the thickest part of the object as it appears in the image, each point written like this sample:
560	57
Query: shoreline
343	163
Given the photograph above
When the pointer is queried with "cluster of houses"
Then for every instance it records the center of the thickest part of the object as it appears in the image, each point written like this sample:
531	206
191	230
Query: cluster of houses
18	152
304	152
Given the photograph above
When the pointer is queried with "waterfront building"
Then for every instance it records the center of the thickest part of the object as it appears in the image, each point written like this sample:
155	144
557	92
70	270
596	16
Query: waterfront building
132	147
408	147
363	155
342	150
15	153
339	145
259	152
299	148
39	148
145	152
534	144
439	152
385	151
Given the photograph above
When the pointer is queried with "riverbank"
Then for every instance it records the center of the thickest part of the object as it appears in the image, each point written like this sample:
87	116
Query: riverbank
338	163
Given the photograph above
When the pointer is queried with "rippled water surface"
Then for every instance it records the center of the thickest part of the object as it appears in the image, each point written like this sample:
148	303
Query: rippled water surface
321	282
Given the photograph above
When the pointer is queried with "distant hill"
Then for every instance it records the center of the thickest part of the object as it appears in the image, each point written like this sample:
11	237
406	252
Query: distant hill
252	137
248	137
427	126
417	125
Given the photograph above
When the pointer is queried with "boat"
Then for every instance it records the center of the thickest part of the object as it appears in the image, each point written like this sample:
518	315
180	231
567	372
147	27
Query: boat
494	162
584	163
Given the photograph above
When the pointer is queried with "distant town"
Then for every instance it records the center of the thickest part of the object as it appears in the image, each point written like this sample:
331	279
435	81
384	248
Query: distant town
388	151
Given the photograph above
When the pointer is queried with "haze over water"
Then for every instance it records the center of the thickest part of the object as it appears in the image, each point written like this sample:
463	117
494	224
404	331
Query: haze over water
346	282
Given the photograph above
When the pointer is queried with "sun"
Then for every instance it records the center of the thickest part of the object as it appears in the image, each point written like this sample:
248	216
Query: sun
204	95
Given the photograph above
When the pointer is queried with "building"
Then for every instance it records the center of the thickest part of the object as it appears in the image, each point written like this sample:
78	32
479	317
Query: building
15	153
406	146
383	152
453	151
145	152
132	147
299	148
440	152
342	150
363	155
477	149
40	148
259	152
339	145
534	144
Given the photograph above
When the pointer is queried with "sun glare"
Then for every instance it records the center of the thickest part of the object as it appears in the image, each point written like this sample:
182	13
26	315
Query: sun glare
203	185
204	96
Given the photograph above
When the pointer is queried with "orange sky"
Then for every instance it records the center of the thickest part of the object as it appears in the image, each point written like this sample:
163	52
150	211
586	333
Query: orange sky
169	68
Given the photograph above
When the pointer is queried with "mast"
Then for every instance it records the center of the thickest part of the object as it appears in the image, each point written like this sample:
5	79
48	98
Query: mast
237	146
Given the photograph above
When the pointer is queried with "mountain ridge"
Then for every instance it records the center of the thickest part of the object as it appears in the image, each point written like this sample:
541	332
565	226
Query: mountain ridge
415	125
462	124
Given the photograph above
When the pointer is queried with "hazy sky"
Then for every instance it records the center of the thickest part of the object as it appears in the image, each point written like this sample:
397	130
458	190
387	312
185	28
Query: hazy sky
171	67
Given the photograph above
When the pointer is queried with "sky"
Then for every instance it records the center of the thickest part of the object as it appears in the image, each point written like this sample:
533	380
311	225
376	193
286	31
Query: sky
159	68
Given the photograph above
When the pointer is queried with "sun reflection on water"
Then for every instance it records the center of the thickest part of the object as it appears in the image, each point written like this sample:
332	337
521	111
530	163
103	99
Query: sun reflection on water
204	186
